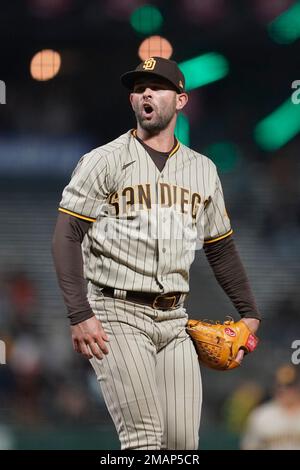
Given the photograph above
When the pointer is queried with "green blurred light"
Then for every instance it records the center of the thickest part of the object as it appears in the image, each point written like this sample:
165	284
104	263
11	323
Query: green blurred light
146	19
225	155
279	127
182	129
285	29
204	69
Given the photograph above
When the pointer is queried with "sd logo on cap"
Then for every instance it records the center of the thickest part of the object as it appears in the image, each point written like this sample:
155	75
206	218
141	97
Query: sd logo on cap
156	67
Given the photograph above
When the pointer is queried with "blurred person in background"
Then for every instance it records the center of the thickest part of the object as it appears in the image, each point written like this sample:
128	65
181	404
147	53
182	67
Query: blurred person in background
275	425
237	407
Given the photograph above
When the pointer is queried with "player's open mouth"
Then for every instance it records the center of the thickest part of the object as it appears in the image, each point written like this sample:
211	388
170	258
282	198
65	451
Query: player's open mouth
147	110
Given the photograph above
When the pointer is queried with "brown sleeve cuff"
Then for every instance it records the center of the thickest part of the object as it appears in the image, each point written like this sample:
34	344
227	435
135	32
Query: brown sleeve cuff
256	315
78	317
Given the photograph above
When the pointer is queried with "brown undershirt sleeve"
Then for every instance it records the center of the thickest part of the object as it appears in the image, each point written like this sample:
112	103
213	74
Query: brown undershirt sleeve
229	271
66	249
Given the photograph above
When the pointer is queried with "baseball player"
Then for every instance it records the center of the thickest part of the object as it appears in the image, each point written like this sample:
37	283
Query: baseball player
129	222
275	425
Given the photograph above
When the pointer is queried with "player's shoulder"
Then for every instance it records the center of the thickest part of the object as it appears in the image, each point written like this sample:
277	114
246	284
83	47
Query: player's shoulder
203	159
265	412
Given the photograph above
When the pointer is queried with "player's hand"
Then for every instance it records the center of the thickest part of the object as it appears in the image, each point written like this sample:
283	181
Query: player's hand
253	324
89	337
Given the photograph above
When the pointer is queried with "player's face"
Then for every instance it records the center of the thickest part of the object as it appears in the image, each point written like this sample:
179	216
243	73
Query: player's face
154	102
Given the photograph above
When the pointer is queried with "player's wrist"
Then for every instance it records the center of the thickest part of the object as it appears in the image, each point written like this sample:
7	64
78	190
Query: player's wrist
252	323
80	317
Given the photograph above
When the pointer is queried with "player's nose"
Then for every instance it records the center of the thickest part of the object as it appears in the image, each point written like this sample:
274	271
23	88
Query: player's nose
147	92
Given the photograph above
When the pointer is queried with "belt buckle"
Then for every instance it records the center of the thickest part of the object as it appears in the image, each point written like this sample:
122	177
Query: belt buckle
165	297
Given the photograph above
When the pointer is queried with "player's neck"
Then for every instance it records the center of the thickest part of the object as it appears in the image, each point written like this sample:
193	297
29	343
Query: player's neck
162	142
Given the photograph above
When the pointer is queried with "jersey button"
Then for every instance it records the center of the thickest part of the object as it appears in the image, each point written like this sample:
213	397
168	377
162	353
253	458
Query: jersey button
164	250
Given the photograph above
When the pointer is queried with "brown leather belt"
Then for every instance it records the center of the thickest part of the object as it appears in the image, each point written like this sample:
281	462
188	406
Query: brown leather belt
158	301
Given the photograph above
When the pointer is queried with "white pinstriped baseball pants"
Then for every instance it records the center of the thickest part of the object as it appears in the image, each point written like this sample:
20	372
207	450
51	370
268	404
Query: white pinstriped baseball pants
150	380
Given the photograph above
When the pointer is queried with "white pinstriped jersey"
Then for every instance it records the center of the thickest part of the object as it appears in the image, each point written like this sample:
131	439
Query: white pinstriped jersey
146	223
272	427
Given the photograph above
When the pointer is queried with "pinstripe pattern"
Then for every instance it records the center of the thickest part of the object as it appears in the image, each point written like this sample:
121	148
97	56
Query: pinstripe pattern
146	225
146	249
150	379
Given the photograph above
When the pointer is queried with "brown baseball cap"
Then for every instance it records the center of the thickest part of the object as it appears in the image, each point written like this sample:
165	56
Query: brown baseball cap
156	67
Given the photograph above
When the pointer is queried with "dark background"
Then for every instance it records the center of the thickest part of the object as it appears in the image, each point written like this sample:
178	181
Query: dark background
49	397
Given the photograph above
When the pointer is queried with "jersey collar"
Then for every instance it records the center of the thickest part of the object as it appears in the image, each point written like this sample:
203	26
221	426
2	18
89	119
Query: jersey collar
169	154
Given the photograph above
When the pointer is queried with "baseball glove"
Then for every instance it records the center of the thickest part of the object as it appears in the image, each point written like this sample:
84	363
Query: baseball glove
217	344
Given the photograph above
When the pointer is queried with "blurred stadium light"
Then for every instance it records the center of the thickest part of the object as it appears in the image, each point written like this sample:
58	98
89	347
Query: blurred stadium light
146	19
45	65
204	69
266	11
182	129
49	8
279	127
155	46
204	11
119	9
285	29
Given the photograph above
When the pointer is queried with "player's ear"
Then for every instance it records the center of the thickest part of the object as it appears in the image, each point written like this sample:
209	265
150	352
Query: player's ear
181	100
131	99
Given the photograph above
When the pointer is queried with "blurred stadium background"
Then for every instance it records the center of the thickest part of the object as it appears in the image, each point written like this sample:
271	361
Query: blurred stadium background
57	105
